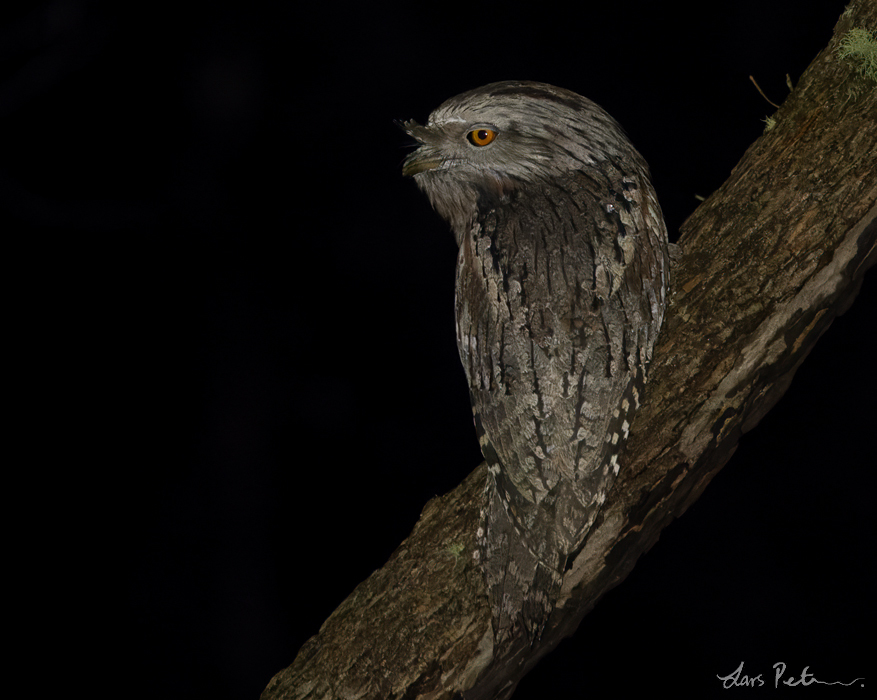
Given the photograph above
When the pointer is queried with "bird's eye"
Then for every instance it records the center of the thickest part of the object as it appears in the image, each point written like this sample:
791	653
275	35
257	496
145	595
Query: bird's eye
481	137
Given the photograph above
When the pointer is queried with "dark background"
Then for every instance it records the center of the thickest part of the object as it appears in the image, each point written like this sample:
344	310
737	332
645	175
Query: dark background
233	320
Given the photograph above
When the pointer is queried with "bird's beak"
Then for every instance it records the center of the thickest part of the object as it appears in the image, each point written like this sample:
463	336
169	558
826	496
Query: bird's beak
426	157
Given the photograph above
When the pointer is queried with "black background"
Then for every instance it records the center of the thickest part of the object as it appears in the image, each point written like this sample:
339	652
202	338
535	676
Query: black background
233	320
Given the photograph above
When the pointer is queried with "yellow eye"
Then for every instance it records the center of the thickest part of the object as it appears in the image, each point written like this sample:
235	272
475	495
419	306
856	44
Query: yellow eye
481	137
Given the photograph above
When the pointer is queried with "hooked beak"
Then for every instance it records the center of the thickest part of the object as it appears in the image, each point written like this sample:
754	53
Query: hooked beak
426	157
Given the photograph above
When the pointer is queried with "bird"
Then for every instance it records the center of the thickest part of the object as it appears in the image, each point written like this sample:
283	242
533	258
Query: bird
562	282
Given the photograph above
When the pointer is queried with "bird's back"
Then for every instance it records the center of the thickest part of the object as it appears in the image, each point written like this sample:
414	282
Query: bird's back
554	329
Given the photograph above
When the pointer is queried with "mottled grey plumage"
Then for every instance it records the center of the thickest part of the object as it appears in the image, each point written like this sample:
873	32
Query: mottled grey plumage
562	278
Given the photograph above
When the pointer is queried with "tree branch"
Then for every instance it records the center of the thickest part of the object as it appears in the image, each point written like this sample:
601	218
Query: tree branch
770	259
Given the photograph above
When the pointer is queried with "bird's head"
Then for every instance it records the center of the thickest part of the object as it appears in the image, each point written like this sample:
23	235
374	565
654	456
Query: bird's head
487	142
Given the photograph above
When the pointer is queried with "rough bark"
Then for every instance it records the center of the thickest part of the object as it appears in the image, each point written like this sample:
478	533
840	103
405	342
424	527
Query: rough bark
769	260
